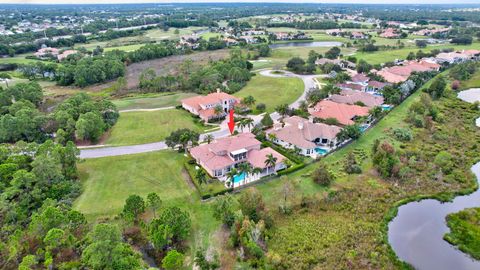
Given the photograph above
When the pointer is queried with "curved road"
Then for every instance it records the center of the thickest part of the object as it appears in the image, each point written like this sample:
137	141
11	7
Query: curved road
108	151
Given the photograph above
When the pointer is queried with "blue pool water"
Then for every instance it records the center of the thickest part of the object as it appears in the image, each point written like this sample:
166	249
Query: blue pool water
321	151
387	107
239	177
363	128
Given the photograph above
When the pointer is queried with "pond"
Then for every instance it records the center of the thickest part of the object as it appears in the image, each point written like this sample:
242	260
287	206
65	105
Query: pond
416	233
306	44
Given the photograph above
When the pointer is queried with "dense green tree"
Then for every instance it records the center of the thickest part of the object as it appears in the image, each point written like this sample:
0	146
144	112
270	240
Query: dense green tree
154	202
173	260
178	221
437	87
133	208
106	251
224	209
322	175
90	126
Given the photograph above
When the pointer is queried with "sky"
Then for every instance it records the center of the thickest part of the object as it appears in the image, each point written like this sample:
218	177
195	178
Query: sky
259	1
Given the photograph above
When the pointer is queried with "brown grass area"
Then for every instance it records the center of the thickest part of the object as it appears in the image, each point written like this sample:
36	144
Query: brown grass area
169	65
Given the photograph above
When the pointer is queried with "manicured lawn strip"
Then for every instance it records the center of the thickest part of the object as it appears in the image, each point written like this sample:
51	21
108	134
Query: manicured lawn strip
272	91
465	231
17	59
107	182
151	101
154	126
127	48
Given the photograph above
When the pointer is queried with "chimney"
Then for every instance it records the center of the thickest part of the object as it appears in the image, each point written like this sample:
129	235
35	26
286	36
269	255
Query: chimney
218	90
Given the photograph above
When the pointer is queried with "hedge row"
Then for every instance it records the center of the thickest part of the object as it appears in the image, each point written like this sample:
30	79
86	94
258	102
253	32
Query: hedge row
292	169
293	157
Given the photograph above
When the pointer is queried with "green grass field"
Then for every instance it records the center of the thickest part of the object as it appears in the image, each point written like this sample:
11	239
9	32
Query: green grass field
17	59
147	127
107	182
473	82
272	91
151	101
380	57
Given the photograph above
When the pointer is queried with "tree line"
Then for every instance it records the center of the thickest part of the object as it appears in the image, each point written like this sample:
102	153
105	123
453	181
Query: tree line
78	117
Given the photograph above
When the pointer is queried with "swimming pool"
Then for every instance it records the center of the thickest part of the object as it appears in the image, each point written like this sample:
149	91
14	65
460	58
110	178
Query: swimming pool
239	177
363	128
321	151
386	107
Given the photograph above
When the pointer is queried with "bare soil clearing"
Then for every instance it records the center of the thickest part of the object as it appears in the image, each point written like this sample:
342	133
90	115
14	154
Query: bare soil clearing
169	65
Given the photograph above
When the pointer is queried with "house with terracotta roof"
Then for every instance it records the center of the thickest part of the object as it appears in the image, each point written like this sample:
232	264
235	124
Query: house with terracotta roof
47	51
311	139
65	54
344	113
358	35
375	87
222	155
398	74
457	57
353	97
350	86
204	106
389	33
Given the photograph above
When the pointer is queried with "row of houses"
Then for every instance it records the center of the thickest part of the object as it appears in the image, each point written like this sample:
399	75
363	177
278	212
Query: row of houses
345	33
48	52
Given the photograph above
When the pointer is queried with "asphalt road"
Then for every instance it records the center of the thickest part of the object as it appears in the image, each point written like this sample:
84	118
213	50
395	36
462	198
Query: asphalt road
109	151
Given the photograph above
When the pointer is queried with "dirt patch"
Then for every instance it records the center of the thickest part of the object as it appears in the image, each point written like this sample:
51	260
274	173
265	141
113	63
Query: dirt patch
169	65
227	255
187	178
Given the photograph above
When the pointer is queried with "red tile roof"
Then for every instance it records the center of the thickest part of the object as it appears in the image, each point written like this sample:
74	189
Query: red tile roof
302	133
344	113
352	97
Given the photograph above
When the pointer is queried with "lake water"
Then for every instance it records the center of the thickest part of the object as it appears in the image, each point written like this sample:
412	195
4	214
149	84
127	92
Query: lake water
416	233
306	44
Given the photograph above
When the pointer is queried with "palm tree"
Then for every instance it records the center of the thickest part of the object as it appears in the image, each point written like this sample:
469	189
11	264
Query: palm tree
257	170
272	136
248	122
218	110
282	109
231	175
208	138
185	139
271	161
249	100
201	177
241	124
245	168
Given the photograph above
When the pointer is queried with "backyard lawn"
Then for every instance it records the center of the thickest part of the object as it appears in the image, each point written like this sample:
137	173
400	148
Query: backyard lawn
151	101
107	182
148	127
272	91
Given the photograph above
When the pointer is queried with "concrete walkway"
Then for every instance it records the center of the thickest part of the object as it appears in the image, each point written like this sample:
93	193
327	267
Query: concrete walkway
108	151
